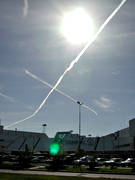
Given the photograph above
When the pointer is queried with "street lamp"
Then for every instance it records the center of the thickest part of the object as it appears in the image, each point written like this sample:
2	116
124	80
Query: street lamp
44	125
79	143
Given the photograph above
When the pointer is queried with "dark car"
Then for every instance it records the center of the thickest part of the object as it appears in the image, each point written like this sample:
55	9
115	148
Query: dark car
6	157
38	159
100	161
69	159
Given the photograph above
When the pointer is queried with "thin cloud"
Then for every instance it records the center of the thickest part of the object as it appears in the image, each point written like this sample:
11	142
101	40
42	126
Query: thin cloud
103	102
25	8
105	99
124	35
115	73
7	97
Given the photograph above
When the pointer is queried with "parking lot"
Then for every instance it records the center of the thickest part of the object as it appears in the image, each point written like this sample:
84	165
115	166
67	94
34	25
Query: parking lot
69	161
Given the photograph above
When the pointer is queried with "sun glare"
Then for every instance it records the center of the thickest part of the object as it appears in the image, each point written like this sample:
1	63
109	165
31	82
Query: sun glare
77	26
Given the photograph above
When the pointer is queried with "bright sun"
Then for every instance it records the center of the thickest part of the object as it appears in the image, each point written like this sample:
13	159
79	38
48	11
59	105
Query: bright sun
77	26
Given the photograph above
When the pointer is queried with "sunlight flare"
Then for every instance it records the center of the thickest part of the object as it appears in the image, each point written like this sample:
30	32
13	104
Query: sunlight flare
77	26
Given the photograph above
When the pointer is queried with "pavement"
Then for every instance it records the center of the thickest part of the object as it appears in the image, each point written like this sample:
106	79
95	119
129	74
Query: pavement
91	175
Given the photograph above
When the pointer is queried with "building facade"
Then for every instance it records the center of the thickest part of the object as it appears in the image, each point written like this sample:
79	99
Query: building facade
119	141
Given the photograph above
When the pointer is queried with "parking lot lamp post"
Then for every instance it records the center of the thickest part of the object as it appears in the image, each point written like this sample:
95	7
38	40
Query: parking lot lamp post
79	140
44	125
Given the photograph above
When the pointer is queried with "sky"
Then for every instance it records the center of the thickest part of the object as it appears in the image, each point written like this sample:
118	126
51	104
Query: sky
103	79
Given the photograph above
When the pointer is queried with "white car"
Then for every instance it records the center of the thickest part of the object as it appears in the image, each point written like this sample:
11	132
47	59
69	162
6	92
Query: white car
128	162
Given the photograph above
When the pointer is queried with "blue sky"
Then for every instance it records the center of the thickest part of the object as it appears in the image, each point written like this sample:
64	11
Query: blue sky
103	79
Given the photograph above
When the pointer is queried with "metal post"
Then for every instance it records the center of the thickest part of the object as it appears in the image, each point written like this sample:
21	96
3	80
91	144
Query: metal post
44	125
79	139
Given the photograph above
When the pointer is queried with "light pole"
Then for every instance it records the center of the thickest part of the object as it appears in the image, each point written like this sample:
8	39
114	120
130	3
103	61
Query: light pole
79	140
44	125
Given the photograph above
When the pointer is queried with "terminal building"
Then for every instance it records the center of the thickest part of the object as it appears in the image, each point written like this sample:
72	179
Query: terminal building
119	141
18	140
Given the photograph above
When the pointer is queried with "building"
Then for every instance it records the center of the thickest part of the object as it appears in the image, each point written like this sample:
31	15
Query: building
18	140
120	141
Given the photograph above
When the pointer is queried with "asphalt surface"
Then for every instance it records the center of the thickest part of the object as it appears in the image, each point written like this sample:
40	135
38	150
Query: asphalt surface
91	175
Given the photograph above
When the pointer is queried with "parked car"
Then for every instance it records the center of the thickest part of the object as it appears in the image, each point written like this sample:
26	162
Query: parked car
14	158
38	159
128	162
69	159
85	160
77	162
113	162
100	161
5	157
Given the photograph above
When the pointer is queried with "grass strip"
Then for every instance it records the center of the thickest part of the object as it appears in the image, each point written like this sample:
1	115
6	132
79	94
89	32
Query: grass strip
6	176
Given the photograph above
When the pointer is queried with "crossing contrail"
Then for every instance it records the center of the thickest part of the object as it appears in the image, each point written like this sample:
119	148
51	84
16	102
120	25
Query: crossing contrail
61	92
72	63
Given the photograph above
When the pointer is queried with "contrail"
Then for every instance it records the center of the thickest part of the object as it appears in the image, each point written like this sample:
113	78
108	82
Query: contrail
61	92
25	8
72	63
